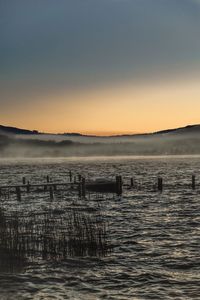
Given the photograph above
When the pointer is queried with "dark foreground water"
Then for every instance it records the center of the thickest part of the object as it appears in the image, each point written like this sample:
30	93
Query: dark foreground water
156	237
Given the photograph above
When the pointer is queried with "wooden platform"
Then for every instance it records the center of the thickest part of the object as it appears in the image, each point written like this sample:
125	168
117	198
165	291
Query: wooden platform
102	186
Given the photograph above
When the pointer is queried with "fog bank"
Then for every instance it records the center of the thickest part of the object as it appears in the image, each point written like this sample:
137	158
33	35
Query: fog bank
60	146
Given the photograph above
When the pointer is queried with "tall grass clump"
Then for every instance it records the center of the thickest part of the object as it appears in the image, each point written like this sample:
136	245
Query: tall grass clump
50	236
12	257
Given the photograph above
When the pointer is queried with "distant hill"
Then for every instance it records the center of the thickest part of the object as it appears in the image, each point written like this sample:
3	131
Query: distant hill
72	134
15	130
190	129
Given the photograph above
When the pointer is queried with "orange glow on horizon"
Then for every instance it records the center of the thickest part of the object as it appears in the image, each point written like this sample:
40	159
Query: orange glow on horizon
124	109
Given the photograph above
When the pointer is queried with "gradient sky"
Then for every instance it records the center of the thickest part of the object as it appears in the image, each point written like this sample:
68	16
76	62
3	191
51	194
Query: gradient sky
99	66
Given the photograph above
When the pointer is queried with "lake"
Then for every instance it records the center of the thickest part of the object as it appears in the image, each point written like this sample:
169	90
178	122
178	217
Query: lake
155	237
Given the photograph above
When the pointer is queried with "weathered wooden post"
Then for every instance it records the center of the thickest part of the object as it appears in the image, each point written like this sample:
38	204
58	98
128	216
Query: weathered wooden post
70	176
119	185
18	193
83	187
160	184
24	180
48	179
28	187
80	190
51	192
193	182
132	182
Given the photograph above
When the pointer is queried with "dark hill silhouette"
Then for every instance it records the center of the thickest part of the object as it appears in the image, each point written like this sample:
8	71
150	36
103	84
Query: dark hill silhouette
190	129
15	130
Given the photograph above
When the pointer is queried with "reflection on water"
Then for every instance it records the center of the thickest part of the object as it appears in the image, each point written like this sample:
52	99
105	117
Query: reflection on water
156	237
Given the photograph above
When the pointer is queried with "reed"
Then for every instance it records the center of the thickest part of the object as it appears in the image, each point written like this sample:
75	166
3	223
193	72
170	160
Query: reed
51	236
12	259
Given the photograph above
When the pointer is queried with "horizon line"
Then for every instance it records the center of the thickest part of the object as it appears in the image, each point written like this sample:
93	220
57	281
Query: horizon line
100	133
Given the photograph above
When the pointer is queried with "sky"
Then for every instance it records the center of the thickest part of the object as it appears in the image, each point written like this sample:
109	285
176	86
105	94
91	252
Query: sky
99	66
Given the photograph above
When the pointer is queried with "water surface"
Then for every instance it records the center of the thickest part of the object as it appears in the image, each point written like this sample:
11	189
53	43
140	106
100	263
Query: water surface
155	237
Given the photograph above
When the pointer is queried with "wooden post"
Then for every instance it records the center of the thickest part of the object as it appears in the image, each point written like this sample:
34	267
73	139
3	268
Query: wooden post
160	184
119	185
193	182
24	180
70	176
51	192
18	193
48	180
117	179
80	190
132	182
28	187
83	188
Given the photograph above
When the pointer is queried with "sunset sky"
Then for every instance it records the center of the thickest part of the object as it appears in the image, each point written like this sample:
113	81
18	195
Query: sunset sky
99	66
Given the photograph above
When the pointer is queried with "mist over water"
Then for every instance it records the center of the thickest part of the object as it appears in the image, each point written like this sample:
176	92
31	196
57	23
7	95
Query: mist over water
67	146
